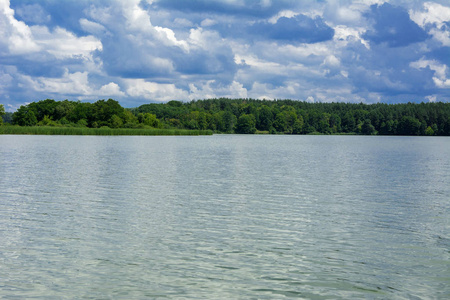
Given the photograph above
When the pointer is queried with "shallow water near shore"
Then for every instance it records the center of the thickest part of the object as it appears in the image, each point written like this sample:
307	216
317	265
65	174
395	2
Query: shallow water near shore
224	217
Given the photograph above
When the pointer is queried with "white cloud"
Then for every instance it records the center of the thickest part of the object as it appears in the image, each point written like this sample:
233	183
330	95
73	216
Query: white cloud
207	90
70	84
431	98
64	44
281	14
15	35
139	88
260	65
345	35
138	20
111	89
92	27
441	35
442	83
167	36
348	15
433	13
103	15
440	71
22	39
345	12
183	22
331	61
266	3
208	22
266	91
437	15
304	51
192	52
202	38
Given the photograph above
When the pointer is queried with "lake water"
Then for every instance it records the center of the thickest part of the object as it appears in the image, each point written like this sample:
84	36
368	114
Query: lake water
224	217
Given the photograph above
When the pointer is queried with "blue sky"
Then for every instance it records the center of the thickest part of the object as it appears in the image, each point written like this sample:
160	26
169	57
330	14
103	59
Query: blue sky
142	51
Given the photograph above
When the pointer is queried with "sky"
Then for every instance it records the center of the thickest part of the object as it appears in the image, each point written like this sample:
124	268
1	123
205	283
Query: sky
150	51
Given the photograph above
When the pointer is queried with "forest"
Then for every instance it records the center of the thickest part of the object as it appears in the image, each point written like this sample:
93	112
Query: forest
243	116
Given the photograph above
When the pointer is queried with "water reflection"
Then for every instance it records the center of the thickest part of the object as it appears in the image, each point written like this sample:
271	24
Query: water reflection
224	217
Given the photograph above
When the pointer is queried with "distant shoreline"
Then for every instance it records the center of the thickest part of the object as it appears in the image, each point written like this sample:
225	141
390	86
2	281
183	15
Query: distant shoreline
240	116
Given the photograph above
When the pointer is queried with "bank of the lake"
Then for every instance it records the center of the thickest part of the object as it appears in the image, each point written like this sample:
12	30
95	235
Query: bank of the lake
47	130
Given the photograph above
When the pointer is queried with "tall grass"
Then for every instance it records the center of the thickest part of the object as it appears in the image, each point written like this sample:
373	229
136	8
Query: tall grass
44	130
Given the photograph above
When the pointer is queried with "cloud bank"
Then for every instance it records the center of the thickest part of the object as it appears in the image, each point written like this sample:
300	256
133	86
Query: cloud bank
143	51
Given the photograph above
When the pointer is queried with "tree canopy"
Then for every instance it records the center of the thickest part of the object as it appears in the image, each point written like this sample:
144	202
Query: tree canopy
2	112
246	116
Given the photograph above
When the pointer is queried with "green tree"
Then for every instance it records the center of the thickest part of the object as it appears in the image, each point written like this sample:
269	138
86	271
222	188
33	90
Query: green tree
64	109
227	122
246	124
367	128
148	119
389	127
175	103
2	112
7	117
447	126
335	123
348	122
298	125
81	111
104	110
82	123
291	118
47	121
265	118
129	119
202	121
63	121
43	108
280	123
324	123
191	120
115	122
409	126
375	118
24	116
429	131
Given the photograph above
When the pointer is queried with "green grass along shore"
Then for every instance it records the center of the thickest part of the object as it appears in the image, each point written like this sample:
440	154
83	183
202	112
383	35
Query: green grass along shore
47	130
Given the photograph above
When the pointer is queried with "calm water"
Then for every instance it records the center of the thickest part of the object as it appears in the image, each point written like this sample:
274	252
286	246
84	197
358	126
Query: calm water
224	217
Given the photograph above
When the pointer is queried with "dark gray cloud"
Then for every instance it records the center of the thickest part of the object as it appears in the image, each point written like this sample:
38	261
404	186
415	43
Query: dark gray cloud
253	8
392	25
388	72
301	29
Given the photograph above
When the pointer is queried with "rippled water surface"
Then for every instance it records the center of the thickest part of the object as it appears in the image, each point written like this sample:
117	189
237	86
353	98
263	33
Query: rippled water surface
224	217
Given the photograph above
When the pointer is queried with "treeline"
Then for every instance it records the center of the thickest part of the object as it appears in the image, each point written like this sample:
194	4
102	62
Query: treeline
297	117
2	114
103	113
245	116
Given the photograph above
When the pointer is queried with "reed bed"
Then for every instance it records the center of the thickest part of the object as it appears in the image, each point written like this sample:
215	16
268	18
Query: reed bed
44	130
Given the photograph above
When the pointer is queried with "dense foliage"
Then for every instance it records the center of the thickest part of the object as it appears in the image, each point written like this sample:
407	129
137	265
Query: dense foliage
297	117
78	114
2	112
246	116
